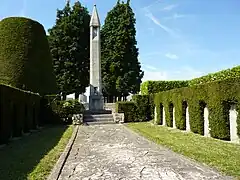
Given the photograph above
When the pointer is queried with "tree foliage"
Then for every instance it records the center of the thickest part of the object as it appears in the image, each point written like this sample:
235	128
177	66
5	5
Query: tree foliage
121	70
70	43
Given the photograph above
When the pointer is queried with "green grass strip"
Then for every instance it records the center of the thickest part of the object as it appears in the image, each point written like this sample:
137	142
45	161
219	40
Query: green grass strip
33	157
221	155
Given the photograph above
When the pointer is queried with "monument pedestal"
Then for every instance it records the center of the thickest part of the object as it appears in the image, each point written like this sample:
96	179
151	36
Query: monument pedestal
96	103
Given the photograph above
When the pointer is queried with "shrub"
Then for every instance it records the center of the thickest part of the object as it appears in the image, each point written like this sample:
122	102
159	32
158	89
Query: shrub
65	109
71	107
151	87
25	59
217	96
19	112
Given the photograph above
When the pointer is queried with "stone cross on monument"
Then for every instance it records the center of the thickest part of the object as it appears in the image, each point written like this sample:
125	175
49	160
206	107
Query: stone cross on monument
95	96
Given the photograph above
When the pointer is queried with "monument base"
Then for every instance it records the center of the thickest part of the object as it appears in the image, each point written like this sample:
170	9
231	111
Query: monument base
96	103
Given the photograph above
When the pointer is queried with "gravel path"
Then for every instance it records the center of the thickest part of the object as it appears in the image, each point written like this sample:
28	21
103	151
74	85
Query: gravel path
112	152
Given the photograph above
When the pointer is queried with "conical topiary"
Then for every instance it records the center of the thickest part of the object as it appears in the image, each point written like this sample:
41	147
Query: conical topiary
25	59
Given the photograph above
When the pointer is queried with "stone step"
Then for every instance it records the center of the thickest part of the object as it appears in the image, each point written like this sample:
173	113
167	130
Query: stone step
99	122
98	116
92	118
87	112
97	119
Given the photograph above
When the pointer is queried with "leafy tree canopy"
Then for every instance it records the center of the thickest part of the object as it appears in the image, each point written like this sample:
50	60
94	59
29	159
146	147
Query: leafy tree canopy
70	43
121	69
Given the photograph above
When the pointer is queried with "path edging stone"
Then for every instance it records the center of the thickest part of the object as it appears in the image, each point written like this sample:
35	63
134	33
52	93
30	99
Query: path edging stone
57	169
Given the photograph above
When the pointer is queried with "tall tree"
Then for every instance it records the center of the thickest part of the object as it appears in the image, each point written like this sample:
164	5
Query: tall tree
70	43
121	69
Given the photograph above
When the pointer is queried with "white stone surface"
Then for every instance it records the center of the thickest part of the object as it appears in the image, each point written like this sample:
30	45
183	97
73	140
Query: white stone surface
110	106
95	98
174	120
118	117
155	114
206	122
95	52
129	97
164	117
87	93
77	119
82	98
187	120
95	20
70	96
233	124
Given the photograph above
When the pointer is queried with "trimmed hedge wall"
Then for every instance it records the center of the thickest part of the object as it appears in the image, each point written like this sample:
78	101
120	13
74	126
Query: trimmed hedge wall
25	59
138	110
19	112
217	96
143	107
221	75
129	110
47	115
151	87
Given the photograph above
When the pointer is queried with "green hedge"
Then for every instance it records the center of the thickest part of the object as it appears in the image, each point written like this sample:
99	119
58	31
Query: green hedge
25	59
144	107
221	75
138	110
129	110
151	87
19	112
217	96
47	115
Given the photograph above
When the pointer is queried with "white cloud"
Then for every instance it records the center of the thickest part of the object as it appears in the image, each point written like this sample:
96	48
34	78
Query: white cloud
154	75
152	53
149	67
150	5
187	72
169	7
175	16
183	73
171	56
157	22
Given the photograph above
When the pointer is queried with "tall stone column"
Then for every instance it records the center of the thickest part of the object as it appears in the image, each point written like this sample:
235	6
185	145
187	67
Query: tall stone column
95	97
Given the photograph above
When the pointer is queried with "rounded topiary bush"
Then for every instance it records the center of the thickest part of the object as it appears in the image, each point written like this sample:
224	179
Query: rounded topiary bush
25	59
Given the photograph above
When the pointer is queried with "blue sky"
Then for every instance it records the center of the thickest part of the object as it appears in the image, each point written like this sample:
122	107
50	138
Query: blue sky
177	39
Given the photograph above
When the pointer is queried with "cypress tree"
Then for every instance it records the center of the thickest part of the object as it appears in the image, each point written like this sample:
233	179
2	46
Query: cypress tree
121	70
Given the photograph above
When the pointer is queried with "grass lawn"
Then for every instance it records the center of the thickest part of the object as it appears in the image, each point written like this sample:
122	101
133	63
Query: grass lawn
223	156
34	156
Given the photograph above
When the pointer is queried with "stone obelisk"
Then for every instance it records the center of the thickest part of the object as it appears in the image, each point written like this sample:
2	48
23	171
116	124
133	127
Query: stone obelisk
95	96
